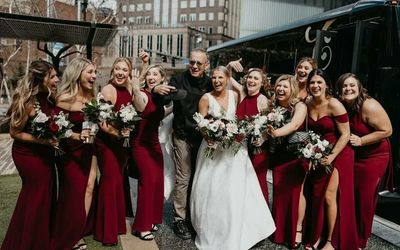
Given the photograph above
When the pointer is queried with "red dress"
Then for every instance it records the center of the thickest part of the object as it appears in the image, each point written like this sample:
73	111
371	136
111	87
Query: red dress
370	165
73	174
248	107
112	158
288	176
146	151
345	232
30	223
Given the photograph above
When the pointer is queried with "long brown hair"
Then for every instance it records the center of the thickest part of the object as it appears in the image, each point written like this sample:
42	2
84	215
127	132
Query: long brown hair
27	89
363	93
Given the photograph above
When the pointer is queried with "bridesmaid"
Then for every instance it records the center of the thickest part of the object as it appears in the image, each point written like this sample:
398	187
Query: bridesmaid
370	127
289	172
34	158
331	220
112	159
252	102
77	168
146	151
303	68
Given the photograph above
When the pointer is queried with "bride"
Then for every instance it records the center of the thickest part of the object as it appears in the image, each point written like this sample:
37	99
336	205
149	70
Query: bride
228	209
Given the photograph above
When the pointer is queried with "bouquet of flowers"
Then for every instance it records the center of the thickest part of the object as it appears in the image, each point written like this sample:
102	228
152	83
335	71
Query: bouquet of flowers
222	131
256	126
96	111
56	126
314	150
127	118
277	117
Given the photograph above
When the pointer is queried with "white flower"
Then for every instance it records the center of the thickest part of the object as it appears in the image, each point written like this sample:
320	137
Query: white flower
203	123
214	127
41	117
306	152
68	133
231	128
318	156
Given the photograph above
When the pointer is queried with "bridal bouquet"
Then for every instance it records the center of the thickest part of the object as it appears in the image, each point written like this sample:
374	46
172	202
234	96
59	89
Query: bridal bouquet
127	118
223	132
277	118
314	150
55	126
96	111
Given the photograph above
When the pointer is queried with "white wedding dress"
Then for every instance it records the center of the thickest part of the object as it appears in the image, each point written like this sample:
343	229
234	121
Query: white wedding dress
228	209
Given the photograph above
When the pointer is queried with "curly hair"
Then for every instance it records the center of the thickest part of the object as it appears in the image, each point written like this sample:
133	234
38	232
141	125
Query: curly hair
363	93
71	77
27	89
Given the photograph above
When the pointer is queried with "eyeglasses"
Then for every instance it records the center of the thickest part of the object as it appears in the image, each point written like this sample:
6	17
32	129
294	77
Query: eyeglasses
192	63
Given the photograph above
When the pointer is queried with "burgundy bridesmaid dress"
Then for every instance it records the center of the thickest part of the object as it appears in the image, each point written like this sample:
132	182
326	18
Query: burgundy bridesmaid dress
30	223
248	107
289	173
112	158
345	231
370	165
147	153
71	222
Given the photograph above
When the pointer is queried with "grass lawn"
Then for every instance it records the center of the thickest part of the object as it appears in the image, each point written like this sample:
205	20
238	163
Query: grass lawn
10	187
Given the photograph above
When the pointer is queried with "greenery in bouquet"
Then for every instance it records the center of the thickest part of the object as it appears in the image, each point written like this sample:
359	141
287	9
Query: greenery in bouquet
314	150
256	126
127	118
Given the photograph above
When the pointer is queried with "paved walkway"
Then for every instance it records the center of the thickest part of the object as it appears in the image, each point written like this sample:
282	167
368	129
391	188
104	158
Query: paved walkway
165	238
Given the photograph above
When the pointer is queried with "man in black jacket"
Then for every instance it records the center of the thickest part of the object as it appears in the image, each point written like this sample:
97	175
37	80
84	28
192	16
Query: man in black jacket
186	139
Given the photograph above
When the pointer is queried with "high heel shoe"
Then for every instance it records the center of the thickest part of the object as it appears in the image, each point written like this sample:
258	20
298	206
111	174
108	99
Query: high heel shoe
297	244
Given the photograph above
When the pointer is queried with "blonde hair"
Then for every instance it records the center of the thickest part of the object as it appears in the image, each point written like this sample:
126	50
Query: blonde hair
71	78
294	89
121	59
223	69
160	69
28	88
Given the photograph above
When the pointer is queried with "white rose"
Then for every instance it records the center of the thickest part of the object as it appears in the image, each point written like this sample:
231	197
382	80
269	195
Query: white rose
318	156
41	117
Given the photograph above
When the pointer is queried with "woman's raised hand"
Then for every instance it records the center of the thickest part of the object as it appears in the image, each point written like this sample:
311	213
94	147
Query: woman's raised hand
144	56
135	82
235	65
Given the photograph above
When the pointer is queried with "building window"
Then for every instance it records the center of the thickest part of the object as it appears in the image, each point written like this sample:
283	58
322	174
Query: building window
124	20
147	7
131	8
169	44
221	16
139	7
221	3
131	20
193	3
210	30
192	17
179	48
220	29
202	16
159	43
123	8
126	46
150	42
139	20
183	18
147	19
211	3
203	3
183	4
139	43
211	16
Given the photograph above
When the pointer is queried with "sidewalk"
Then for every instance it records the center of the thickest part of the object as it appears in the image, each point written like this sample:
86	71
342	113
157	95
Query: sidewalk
384	231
